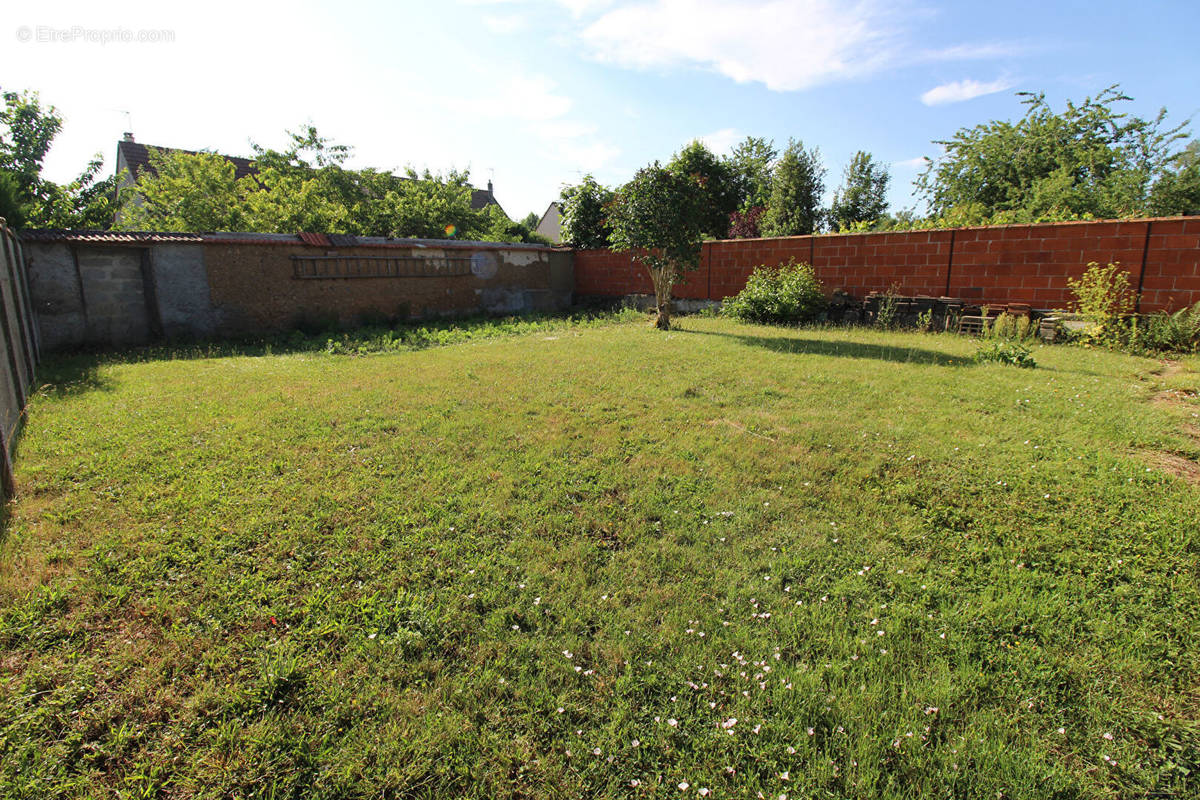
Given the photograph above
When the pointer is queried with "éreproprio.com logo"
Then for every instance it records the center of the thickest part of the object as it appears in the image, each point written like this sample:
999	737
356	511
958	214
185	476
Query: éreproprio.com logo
76	34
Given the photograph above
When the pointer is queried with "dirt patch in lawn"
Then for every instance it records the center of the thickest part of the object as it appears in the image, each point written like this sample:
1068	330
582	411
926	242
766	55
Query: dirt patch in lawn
1181	467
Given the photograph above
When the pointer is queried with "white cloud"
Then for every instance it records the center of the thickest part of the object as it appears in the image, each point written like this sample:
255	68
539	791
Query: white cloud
580	7
722	141
910	163
976	52
784	44
504	25
958	91
574	144
528	97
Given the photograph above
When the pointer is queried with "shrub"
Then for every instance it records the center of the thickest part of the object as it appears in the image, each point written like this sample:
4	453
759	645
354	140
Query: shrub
1168	333
1002	351
888	313
1012	326
787	294
1103	298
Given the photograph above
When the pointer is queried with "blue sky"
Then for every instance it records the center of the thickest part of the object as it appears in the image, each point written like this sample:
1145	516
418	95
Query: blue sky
535	93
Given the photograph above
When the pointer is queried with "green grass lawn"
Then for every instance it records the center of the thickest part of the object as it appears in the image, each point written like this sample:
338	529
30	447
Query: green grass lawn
605	561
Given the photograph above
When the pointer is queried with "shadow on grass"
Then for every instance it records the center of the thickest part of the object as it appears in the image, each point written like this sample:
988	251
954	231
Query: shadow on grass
842	349
64	376
67	374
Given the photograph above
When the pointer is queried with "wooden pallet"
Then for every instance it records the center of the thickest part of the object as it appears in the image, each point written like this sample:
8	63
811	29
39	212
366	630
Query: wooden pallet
972	326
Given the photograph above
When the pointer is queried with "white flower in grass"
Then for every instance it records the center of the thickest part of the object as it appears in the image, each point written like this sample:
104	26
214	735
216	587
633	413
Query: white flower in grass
595	751
703	791
674	723
683	786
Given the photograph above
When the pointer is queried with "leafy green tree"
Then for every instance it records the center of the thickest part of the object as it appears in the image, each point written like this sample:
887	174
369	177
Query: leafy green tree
862	198
659	216
718	189
186	192
1177	191
1090	160
752	163
305	187
11	208
585	214
531	220
796	189
26	132
500	228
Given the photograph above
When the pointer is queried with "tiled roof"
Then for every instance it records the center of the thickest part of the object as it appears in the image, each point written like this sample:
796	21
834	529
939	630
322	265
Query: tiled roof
482	198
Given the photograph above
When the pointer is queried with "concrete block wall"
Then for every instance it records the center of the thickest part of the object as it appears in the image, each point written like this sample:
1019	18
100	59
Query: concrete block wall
999	264
115	290
253	287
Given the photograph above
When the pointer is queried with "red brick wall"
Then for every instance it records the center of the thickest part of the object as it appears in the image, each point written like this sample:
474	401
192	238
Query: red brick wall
1009	263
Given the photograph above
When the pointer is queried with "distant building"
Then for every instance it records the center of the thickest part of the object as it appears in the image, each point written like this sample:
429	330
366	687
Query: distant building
134	159
550	225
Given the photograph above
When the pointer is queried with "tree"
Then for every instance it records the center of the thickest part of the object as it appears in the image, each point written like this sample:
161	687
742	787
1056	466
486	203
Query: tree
305	187
185	192
659	217
1178	190
1088	161
752	163
718	190
862	197
796	188
745	224
585	214
26	134
11	208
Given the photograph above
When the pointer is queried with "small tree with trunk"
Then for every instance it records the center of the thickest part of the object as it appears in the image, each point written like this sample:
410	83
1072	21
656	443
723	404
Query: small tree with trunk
659	217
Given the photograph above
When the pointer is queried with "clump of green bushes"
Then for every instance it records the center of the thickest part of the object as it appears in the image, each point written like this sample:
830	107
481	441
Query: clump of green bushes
1104	299
787	294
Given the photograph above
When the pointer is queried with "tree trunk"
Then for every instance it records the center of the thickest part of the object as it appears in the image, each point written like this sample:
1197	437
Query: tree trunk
662	279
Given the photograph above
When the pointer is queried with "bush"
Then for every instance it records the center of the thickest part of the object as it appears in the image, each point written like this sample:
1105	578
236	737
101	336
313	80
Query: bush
787	294
1103	298
1012	326
1168	333
1002	351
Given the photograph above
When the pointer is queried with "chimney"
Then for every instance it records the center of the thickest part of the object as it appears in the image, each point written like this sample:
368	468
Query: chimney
489	187
128	136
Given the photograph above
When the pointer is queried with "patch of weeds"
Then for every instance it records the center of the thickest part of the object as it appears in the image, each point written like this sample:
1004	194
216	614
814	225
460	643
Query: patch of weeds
1005	352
